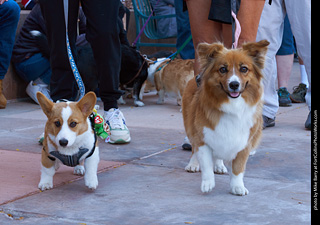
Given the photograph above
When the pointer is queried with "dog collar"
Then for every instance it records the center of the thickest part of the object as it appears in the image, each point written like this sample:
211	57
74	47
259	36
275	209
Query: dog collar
198	80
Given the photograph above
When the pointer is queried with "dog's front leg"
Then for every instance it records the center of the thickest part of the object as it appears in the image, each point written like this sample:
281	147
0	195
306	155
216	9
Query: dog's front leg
136	92
238	167
206	164
79	169
193	165
47	172
91	168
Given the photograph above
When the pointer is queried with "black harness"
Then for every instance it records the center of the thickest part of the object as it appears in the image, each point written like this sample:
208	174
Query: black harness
74	160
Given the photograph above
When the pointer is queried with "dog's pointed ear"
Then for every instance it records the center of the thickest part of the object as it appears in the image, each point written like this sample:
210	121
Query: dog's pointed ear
87	103
45	103
209	51
257	50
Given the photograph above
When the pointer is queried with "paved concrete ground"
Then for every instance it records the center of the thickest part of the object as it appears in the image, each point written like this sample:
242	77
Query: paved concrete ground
153	188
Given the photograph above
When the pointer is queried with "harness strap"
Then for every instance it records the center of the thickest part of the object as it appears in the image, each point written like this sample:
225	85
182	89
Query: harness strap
70	160
50	157
94	146
164	65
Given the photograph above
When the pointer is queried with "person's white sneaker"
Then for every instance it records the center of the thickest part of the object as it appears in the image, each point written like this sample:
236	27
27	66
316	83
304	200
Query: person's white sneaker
33	88
119	131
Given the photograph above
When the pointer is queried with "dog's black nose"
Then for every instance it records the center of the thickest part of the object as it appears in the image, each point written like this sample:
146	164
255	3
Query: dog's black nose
63	142
234	85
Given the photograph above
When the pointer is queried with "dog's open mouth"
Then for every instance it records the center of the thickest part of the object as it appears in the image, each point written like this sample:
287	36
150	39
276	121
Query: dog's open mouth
231	94
234	94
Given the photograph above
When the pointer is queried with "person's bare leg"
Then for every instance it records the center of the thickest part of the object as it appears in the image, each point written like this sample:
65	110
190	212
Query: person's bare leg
284	68
202	29
249	17
227	35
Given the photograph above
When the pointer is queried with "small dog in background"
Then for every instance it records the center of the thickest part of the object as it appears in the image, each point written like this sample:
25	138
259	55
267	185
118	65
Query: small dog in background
222	114
171	77
69	139
133	73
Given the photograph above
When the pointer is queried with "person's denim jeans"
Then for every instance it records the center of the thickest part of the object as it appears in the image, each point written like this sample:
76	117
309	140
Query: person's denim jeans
184	31
9	18
33	68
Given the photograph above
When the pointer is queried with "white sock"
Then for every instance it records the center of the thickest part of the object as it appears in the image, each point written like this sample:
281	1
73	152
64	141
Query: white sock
303	75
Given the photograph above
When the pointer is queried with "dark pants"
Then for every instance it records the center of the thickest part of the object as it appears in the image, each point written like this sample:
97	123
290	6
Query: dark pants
101	32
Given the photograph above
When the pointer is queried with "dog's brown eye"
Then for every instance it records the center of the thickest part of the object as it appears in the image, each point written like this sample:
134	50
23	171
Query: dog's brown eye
73	124
223	70
243	69
57	123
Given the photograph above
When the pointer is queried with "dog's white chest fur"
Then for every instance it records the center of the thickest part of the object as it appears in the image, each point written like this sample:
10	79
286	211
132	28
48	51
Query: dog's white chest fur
231	134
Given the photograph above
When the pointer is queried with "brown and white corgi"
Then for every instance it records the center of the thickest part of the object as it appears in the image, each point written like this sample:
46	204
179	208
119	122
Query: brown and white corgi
171	77
69	139
223	116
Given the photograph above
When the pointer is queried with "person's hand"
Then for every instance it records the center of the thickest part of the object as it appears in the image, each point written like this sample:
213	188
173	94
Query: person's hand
2	1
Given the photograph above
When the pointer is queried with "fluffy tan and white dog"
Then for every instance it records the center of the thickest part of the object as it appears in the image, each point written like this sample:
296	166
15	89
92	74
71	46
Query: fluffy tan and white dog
69	139
223	116
172	77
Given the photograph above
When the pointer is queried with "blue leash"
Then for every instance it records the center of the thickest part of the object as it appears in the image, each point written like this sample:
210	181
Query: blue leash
73	65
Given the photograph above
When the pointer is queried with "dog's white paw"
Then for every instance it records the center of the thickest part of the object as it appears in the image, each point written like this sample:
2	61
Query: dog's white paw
239	190
221	169
237	186
46	180
192	168
45	185
207	185
91	182
138	103
79	170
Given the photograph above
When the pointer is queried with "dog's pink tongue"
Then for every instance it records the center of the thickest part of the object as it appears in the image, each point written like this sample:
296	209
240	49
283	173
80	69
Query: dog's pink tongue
234	94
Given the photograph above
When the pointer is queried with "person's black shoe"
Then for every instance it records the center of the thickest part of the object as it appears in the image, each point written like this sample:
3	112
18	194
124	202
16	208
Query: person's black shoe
307	125
268	122
186	144
283	96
